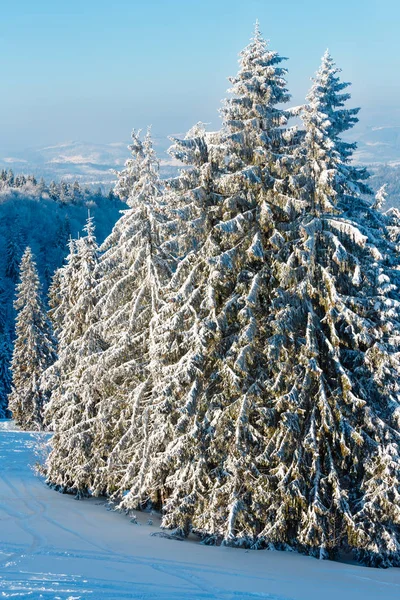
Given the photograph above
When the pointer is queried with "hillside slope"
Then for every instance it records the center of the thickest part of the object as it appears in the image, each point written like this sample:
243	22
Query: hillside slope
52	546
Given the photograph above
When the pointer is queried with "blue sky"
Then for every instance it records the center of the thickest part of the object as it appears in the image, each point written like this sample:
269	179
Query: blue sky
91	70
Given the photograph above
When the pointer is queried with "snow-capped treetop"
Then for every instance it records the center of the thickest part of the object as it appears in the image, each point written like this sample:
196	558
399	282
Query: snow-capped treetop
139	180
251	119
61	289
327	93
348	181
325	118
258	88
77	280
28	290
128	176
317	159
328	87
89	229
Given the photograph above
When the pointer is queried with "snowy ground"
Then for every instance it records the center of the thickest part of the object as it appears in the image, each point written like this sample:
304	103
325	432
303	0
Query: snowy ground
52	546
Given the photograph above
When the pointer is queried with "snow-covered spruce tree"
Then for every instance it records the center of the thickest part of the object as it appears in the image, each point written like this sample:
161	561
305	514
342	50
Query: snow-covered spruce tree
81	282
114	381
142	244
70	297
209	364
34	348
61	289
136	264
72	300
330	90
353	190
330	466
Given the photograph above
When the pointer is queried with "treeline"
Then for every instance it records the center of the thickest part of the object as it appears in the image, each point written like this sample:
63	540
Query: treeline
64	192
230	353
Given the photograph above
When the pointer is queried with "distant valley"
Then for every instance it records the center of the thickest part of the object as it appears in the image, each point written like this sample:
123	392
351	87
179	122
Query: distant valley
89	163
93	164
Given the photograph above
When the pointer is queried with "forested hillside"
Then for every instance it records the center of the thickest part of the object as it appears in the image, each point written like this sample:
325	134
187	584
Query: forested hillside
43	217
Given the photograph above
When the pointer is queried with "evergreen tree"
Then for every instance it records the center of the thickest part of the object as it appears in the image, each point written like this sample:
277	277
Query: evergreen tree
65	193
42	187
76	192
142	246
71	300
108	389
33	351
353	190
32	179
61	293
10	178
333	386
54	190
209	359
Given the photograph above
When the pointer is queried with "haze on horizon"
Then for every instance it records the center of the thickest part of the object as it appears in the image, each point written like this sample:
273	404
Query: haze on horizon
90	72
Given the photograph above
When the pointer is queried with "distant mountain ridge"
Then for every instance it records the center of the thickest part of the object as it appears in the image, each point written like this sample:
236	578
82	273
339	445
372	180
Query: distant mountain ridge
92	163
87	162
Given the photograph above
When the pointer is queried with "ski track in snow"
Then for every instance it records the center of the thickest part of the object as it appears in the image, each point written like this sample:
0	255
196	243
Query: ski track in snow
52	546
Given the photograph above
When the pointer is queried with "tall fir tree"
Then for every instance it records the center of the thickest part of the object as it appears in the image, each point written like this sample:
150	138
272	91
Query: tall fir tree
209	361
333	386
34	348
130	274
61	292
71	301
132	296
